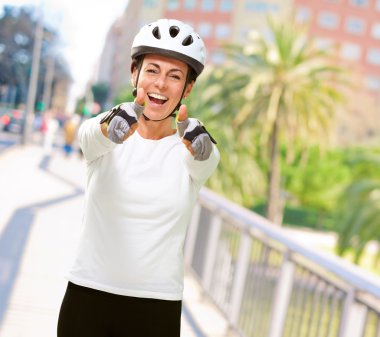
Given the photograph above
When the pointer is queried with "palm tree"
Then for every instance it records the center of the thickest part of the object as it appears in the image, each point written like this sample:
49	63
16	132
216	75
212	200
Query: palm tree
291	95
359	209
237	177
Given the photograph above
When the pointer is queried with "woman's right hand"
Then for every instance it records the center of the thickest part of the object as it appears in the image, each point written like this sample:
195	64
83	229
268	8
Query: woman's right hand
122	120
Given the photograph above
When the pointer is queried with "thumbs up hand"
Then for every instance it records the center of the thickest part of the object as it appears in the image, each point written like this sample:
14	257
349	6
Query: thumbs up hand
122	119
194	135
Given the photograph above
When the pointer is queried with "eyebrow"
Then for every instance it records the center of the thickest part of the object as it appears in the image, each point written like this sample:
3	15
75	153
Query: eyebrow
157	66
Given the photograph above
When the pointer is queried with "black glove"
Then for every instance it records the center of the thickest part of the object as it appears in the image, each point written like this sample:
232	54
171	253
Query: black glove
120	119
193	132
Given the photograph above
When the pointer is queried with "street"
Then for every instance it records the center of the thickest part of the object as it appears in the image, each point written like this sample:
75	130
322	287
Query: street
40	220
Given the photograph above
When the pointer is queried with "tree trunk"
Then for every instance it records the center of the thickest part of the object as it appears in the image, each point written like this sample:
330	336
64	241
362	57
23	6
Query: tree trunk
274	205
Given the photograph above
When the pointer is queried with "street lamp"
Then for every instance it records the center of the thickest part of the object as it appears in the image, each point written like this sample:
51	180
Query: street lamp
29	117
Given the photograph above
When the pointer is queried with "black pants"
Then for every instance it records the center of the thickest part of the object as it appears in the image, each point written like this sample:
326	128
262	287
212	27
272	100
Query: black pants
87	312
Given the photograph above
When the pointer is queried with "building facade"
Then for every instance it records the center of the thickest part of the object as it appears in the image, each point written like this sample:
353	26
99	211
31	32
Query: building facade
352	28
216	21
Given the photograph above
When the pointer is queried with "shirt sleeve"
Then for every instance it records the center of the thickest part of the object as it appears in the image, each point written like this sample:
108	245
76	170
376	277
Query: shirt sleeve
91	139
200	171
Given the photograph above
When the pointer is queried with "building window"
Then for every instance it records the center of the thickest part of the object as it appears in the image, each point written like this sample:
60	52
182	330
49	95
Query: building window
150	3
323	43
21	56
205	29
172	5
376	30
21	39
143	23
226	5
267	35
207	5
260	6
244	32
222	31
355	26
328	20
372	82
359	3
218	57
189	4
373	56
350	51
303	14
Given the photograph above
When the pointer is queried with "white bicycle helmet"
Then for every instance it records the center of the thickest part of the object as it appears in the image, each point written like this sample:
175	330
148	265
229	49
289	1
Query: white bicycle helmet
171	38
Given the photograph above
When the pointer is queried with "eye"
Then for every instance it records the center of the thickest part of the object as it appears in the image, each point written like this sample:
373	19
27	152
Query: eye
176	75
151	70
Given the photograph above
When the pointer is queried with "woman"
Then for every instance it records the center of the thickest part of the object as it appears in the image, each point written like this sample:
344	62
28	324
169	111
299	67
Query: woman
143	180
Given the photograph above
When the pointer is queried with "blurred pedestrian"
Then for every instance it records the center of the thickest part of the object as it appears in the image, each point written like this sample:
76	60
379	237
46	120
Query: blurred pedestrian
49	127
144	175
70	128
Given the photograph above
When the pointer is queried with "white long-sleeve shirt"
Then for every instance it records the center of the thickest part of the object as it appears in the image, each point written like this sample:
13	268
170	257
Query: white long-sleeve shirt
139	199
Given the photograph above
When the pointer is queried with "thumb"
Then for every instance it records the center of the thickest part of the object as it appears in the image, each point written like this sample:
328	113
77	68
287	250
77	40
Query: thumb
182	120
182	113
138	104
140	97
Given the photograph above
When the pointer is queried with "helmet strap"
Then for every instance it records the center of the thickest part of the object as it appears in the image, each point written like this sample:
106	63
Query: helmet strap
139	66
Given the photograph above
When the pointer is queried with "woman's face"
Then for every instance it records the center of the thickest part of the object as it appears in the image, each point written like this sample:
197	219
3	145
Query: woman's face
163	79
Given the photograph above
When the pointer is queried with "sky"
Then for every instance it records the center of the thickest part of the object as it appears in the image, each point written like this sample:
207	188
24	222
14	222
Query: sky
83	26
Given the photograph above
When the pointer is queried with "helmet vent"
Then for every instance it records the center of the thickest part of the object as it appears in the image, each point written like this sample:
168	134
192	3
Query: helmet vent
173	31
156	33
187	41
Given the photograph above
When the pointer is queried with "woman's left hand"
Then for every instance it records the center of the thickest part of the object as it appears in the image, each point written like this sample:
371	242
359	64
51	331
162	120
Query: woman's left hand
194	135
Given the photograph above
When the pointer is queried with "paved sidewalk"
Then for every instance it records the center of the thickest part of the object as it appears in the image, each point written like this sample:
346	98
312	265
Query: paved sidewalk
40	220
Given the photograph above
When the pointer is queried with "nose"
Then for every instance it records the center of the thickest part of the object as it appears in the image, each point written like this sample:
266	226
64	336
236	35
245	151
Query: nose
160	82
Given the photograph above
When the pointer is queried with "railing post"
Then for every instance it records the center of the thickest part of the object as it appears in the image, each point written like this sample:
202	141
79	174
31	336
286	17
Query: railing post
353	317
281	298
210	254
240	276
192	234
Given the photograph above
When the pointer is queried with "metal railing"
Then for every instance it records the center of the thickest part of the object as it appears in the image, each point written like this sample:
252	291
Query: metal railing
268	285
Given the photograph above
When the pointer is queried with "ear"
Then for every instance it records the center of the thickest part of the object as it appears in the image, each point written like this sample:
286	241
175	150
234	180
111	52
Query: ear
134	75
189	87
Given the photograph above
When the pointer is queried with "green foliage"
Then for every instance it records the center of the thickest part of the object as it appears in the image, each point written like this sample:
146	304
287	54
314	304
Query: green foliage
124	95
287	80
317	181
359	207
100	92
17	27
313	182
291	81
289	93
303	217
237	177
16	36
79	108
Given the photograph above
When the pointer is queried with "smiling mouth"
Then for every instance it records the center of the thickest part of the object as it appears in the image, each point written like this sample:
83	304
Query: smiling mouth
157	98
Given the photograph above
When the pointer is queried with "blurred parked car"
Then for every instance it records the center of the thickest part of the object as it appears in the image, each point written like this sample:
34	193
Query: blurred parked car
13	121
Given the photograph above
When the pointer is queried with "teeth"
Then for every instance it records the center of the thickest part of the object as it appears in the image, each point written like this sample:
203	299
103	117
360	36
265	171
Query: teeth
158	96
